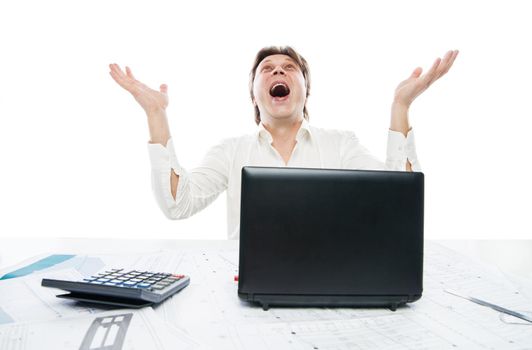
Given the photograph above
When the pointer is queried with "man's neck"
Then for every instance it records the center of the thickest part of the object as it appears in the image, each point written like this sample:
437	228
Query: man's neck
283	131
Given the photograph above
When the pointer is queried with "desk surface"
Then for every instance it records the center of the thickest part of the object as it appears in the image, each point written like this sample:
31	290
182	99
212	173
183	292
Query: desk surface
208	310
511	256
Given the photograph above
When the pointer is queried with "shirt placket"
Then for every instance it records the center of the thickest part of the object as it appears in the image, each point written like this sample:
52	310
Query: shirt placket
278	158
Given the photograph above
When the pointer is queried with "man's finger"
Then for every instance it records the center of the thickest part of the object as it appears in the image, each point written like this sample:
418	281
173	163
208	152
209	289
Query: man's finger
117	78
122	80
129	73
118	71
428	78
416	73
444	66
163	88
115	75
126	81
451	61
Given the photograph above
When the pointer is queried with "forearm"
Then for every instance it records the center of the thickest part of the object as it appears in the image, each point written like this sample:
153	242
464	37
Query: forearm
174	180
399	122
158	126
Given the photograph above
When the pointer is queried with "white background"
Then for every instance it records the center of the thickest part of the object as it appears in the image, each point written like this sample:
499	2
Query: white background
74	159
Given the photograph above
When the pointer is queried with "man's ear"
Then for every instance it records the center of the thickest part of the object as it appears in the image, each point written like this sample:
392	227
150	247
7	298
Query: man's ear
254	102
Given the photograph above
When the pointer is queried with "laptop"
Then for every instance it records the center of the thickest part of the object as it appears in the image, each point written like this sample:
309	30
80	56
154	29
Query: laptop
329	237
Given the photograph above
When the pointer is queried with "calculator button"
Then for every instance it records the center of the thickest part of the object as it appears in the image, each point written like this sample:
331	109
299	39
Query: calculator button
143	285
129	283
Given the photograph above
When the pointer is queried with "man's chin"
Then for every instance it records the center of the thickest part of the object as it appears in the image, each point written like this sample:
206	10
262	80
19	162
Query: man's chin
282	113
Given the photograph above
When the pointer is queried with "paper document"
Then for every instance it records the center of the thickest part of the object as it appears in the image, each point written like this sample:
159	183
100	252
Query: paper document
117	330
23	299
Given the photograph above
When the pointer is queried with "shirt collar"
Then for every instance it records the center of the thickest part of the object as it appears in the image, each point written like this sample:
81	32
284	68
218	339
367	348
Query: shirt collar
304	129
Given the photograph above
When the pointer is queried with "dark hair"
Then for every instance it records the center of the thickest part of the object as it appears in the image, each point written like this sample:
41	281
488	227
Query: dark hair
279	50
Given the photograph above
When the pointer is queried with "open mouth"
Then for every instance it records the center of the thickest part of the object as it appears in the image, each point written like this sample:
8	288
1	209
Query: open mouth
279	89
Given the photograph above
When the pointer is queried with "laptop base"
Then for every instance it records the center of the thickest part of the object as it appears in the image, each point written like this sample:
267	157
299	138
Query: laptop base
266	300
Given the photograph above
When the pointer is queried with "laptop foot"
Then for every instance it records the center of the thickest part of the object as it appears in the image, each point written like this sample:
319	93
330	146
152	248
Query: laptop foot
393	307
265	306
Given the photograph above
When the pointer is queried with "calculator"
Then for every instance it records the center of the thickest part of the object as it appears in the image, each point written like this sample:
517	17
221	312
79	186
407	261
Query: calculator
118	287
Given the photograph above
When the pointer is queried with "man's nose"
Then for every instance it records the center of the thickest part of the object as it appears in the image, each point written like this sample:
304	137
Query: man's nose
278	70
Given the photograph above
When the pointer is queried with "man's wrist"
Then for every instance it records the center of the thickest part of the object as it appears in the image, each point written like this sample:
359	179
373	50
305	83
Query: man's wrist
399	120
155	112
400	105
158	127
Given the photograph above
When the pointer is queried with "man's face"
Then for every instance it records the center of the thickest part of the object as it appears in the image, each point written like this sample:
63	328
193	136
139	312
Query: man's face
279	88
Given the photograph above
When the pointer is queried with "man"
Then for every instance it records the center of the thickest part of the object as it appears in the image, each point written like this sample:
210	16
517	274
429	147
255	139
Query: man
279	88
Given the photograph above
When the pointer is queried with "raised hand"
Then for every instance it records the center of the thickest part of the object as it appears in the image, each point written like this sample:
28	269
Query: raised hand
407	91
150	100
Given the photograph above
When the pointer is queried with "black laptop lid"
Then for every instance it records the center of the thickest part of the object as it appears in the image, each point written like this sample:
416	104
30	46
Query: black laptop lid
331	232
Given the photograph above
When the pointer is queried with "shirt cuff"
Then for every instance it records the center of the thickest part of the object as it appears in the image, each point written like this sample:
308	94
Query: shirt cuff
163	161
163	158
401	148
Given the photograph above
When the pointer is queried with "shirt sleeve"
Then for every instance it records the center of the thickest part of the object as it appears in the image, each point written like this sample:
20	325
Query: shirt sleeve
399	149
196	188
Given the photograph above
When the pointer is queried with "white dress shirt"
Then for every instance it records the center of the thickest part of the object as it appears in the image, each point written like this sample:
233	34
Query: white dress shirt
222	166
